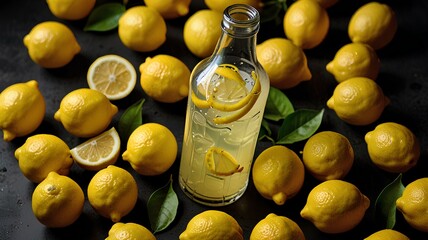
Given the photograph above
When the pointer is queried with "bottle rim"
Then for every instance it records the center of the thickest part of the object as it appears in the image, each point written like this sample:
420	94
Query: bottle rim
241	20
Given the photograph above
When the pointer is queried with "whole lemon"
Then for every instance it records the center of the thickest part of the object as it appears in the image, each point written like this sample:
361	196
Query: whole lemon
22	109
389	234
373	23
71	9
221	5
85	112
202	31
42	154
278	174
284	62
306	23
165	78
129	231
358	101
335	206
151	149
170	9
57	201
328	155
354	60
413	204
142	29
113	192
212	225
51	44
393	147
275	227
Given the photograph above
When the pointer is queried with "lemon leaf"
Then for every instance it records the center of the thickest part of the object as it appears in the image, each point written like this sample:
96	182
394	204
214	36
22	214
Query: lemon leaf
105	17
265	132
273	10
131	119
162	207
385	208
299	125
278	106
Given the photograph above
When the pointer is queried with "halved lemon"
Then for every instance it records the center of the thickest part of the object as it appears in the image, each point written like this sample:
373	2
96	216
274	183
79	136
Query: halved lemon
98	152
112	75
221	162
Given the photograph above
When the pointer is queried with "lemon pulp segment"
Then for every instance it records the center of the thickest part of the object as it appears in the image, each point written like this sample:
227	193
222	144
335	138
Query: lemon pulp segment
221	162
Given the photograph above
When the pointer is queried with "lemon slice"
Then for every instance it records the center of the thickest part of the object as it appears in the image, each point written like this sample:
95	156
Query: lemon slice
98	152
112	75
220	162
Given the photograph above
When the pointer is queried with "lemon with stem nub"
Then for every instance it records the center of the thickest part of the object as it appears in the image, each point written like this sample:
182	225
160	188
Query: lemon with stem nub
221	162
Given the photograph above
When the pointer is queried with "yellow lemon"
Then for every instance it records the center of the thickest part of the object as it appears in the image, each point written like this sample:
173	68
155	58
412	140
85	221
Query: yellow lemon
51	44
42	154
389	234
22	109
151	149
306	23
98	152
221	5
212	225
170	9
113	192
373	23
328	155
71	9
358	101
284	62
57	201
335	206
275	227
393	147
354	60
165	78
221	162
142	29
413	204
85	112
278	174
112	75
129	231
202	31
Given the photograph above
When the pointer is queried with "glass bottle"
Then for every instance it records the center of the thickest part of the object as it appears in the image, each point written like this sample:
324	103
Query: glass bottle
228	93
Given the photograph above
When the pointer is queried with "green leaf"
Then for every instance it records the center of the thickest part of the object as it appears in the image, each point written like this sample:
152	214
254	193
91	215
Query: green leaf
105	17
131	119
265	132
273	10
385	208
278	106
299	126
162	207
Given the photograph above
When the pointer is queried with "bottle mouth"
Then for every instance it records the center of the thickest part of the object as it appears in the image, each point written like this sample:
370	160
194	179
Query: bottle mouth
241	20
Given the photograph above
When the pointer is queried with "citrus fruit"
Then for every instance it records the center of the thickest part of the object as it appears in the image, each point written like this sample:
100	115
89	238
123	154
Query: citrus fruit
413	204
278	174
354	60
165	78
51	44
113	192
151	149
71	9
22	109
57	201
85	112
373	23
328	155
170	9
129	231
202	31
98	152
284	62
212	225
42	154
275	227
112	75
335	206
142	29
221	5
306	23
389	234
393	147
221	162
358	101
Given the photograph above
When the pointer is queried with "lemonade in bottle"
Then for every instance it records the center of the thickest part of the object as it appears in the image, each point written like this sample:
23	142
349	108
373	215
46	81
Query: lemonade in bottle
226	101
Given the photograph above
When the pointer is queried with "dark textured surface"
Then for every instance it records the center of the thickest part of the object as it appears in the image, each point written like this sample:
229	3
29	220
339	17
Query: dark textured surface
403	77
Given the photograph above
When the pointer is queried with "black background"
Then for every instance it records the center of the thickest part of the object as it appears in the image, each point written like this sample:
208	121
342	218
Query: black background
403	78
